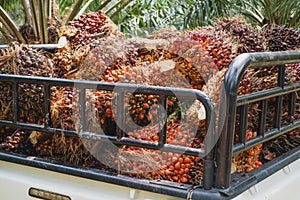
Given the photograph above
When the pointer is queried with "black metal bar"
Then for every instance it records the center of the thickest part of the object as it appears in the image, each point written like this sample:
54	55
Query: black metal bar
37	127
162	134
278	112
292	103
138	89
266	94
143	144
208	171
81	127
120	116
15	104
262	118
46	105
262	59
243	123
278	106
281	75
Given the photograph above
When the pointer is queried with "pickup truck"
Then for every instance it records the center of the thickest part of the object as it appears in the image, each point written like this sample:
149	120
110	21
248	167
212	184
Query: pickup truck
31	177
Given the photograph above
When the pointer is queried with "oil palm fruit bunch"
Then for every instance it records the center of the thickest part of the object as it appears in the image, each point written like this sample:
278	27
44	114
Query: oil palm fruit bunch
182	57
18	142
65	149
174	62
137	106
67	62
281	38
6	106
156	164
243	35
82	34
126	65
78	39
110	54
177	58
53	26
28	33
63	65
169	63
53	30
87	28
188	62
20	59
108	63
61	108
219	48
248	160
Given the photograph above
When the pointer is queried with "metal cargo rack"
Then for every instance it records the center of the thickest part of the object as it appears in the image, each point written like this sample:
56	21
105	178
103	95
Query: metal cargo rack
218	182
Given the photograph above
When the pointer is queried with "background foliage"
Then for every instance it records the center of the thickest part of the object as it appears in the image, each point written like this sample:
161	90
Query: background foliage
136	17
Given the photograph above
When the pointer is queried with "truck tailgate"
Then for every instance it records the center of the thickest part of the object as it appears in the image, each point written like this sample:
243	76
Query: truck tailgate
17	180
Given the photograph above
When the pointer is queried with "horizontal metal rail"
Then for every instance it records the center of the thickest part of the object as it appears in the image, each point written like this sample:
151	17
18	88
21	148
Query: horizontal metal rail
259	96
226	147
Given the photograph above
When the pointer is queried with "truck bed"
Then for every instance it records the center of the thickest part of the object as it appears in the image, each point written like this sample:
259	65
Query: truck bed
27	175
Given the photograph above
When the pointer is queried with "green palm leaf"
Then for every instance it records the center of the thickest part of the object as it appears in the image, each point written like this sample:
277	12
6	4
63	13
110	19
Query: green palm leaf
10	25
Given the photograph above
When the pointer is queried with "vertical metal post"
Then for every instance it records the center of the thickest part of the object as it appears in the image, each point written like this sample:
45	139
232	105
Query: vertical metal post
243	123
15	104
46	105
262	117
82	109
209	159
162	134
225	145
224	150
120	115
278	104
292	103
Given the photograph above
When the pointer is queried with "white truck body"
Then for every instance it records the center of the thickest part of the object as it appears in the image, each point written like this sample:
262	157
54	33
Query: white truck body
16	181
